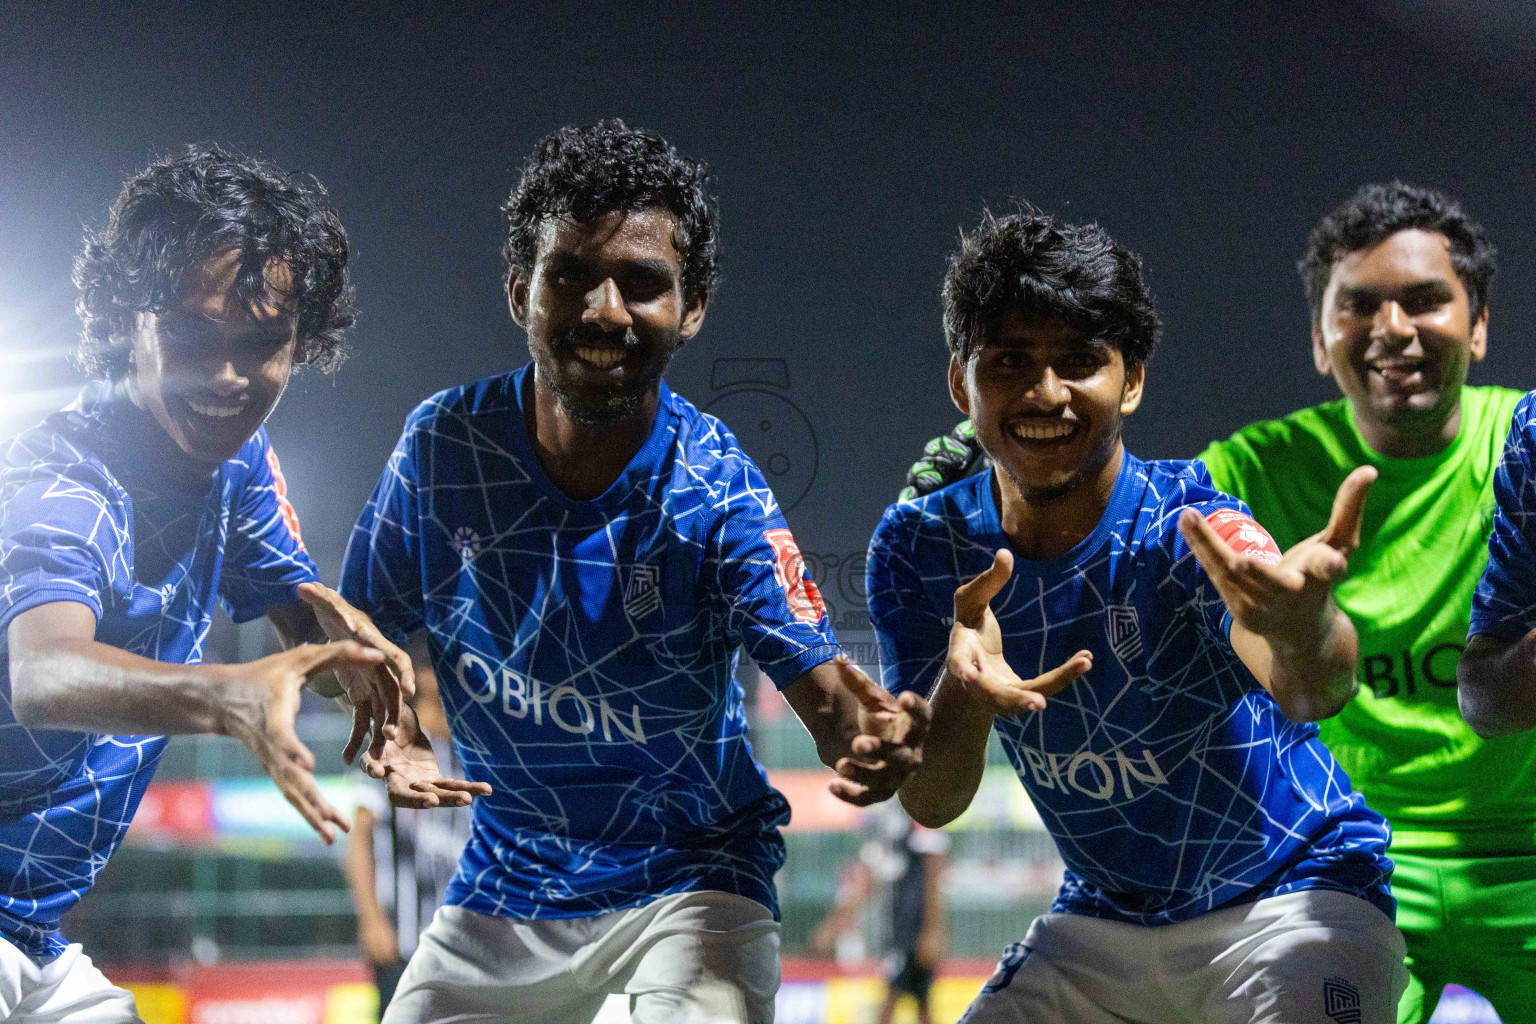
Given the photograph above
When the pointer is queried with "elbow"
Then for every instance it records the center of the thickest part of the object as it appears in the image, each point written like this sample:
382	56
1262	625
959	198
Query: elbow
1478	713
1314	707
927	814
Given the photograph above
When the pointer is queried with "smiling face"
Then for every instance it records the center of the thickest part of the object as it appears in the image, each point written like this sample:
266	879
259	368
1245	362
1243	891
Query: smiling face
1047	402
1396	332
604	309
212	369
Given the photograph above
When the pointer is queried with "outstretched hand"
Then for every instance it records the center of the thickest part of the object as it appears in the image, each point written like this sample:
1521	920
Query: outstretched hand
261	714
1291	598
889	744
376	692
976	650
411	773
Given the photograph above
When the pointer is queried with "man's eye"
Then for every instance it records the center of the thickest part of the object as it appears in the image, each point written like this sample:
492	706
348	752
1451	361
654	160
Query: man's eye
1418	305
1363	306
1010	360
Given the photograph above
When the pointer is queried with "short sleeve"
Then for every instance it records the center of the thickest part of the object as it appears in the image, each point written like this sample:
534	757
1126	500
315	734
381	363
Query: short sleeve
264	556
1504	604
773	606
1233	522
65	535
913	635
381	573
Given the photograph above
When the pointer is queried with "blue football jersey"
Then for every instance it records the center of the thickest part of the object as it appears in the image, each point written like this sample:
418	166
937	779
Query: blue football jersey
1504	604
1168	777
98	506
586	649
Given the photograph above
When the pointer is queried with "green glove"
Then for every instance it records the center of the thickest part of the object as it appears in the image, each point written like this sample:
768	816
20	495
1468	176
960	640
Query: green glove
945	460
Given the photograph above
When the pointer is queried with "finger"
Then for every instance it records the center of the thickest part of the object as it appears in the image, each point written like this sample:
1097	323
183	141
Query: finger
361	720
1323	563
314	658
864	745
972	599
919	714
1220	561
1063	675
403	794
1343	529
864	774
299	788
464	786
854	793
870	694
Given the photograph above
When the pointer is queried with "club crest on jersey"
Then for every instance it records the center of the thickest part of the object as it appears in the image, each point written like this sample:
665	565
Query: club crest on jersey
800	592
1123	631
466	542
1244	535
642	594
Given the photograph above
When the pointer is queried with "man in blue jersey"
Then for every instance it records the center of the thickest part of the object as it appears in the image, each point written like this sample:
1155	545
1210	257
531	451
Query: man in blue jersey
586	552
125	516
1219	866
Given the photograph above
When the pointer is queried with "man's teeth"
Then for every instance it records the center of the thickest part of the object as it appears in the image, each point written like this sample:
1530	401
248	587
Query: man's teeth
217	411
602	357
1041	431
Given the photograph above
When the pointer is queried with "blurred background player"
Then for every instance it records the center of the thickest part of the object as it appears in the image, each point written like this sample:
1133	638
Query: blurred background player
123	519
587	552
899	870
400	860
1398	280
1208	834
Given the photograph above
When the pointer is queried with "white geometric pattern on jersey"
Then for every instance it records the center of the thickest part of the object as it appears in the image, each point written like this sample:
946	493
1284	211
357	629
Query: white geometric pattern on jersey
66	798
1504	604
1203	741
629	608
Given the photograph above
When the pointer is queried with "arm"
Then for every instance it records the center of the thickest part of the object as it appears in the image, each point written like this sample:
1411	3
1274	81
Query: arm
1496	684
975	687
870	738
375	935
1286	627
62	678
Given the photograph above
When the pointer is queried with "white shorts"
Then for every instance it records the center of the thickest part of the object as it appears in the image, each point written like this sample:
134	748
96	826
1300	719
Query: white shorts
687	958
66	990
1312	956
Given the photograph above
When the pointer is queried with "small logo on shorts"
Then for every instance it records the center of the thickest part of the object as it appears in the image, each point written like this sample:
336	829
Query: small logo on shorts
1341	1001
466	542
1123	631
642	595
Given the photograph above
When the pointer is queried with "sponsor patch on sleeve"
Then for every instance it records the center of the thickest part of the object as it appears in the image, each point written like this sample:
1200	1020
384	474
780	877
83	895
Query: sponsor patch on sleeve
800	591
284	506
1244	535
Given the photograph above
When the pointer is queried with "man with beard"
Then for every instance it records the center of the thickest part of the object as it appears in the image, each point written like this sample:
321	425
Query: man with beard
125	516
1397	279
1219	867
586	552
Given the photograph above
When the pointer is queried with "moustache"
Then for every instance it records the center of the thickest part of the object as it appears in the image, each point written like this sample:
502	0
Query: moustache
591	334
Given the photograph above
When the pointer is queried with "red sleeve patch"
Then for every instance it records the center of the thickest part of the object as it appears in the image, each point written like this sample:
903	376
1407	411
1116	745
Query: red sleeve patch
1244	535
800	591
284	506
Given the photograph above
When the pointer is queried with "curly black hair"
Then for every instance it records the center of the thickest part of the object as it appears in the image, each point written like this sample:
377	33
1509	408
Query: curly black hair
584	172
1033	262
185	208
1378	211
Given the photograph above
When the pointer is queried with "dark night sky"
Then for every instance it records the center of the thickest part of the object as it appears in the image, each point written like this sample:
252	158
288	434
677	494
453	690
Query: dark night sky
847	149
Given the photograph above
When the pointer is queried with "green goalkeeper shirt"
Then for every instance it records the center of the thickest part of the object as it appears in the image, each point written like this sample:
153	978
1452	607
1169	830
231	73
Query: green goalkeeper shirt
1409	588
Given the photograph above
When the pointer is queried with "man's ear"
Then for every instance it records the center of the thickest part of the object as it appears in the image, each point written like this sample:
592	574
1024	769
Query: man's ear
693	316
1320	352
1130	394
517	298
957	392
1480	336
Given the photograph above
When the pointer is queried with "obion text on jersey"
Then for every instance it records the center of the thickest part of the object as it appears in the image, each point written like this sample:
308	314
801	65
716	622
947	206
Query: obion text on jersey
562	707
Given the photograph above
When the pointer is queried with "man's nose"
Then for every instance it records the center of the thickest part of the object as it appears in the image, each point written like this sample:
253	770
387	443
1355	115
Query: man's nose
226	379
1392	321
1049	391
605	307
